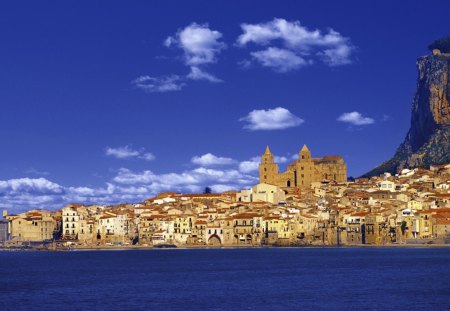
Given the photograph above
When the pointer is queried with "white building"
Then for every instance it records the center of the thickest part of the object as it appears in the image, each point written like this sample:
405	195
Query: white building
70	222
262	192
387	185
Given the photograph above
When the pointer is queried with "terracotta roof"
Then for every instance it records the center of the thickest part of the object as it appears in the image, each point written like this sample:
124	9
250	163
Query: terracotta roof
107	216
360	214
442	215
428	211
442	195
244	216
202	195
271	218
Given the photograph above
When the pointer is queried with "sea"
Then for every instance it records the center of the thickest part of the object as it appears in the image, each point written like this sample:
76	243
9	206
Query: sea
397	278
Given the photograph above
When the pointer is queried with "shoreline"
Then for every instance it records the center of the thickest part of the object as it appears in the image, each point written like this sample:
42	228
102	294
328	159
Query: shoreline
136	248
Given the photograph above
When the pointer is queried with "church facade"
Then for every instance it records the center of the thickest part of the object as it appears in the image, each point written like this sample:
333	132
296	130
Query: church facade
303	172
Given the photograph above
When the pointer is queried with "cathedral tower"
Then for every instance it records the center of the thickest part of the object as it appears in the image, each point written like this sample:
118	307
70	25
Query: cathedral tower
305	167
268	169
304	154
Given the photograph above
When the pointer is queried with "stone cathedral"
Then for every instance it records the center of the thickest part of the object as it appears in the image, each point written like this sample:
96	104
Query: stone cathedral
303	172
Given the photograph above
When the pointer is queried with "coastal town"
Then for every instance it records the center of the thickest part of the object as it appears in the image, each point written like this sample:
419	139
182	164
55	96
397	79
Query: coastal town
311	204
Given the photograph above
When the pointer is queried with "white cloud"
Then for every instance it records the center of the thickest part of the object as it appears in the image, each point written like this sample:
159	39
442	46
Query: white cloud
18	195
159	84
222	188
355	118
27	193
121	152
252	165
127	152
34	171
245	64
199	43
147	156
280	159
302	43
210	159
291	34
30	185
280	60
198	74
271	119
337	56
192	180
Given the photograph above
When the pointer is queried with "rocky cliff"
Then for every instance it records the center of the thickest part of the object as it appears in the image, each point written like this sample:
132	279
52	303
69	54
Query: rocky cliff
428	139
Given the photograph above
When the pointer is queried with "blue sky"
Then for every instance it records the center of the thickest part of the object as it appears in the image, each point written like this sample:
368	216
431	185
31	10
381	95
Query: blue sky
114	101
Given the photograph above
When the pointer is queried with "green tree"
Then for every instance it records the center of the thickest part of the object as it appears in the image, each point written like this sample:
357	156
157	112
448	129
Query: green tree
207	190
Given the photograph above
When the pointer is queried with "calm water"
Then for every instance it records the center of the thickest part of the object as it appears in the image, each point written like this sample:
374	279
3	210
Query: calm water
228	279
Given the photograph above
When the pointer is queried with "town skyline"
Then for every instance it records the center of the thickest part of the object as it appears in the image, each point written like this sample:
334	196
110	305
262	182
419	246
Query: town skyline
135	100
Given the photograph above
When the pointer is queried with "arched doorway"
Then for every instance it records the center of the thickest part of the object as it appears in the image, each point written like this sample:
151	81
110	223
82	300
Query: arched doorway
288	184
214	240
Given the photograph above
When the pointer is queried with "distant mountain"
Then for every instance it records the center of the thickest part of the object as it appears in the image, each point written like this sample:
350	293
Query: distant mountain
428	139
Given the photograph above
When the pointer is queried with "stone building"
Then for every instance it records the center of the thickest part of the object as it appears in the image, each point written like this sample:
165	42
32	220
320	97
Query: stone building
4	234
303	172
34	225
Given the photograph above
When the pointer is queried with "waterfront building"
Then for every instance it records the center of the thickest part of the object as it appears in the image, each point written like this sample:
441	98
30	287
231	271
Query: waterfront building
4	231
34	225
71	215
